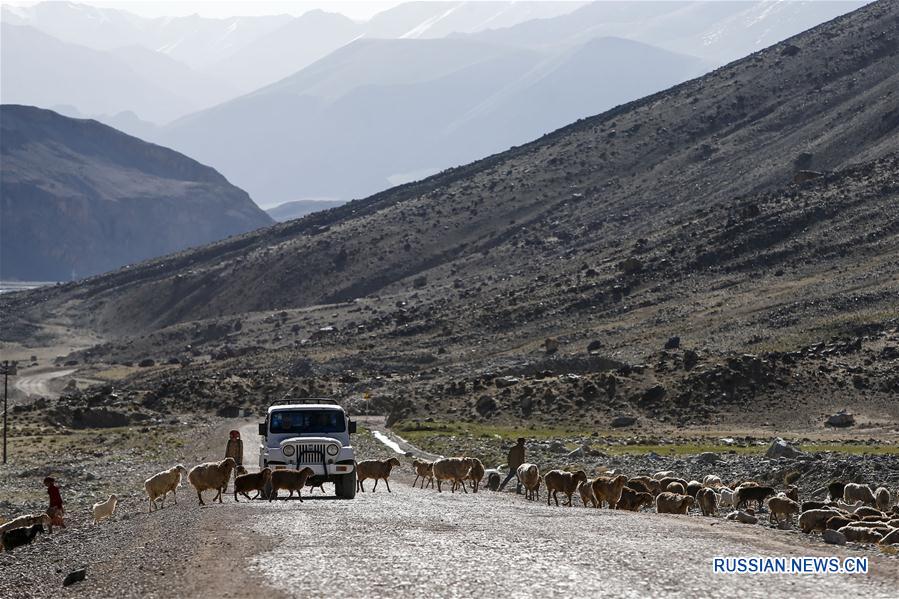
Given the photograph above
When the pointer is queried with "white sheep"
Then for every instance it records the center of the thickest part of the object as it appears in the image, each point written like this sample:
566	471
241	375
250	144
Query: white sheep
663	474
104	509
712	481
726	496
854	492
161	483
211	476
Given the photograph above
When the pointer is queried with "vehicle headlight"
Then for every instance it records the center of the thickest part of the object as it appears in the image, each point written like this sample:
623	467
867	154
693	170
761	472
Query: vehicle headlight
332	450
289	450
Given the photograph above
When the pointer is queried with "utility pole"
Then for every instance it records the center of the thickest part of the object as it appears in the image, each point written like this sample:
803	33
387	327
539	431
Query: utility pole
8	369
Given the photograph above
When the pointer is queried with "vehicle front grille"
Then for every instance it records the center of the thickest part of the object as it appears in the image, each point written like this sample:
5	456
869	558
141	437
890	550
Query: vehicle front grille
310	453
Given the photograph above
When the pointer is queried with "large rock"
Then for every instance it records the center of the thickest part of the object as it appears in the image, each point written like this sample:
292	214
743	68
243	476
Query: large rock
672	343
485	405
741	516
708	457
622	421
841	419
506	381
781	449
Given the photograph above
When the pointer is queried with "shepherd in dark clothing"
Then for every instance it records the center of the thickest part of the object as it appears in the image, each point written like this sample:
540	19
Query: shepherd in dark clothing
235	448
55	511
515	459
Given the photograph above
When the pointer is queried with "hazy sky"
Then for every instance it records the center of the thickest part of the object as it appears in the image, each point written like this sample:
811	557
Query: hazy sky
358	9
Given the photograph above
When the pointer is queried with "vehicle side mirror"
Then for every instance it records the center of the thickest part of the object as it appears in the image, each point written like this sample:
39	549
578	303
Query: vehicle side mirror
352	426
261	429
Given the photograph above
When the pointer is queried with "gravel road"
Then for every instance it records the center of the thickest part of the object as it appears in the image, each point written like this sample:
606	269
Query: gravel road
36	384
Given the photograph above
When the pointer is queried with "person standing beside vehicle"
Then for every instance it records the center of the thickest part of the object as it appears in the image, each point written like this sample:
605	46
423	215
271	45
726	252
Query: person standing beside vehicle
234	449
515	459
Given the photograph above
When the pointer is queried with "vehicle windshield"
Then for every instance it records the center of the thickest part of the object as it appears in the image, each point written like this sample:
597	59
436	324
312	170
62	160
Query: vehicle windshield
299	422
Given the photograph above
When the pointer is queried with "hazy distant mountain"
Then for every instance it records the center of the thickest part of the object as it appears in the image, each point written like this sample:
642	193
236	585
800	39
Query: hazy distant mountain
41	70
717	31
305	39
79	198
381	112
193	40
300	208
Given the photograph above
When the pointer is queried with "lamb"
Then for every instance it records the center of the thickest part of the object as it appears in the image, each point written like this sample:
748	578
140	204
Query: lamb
20	536
744	495
423	470
727	496
476	475
882	499
676	487
104	509
792	492
708	501
376	469
493	480
782	506
673	503
290	480
559	480
529	477
632	500
854	492
585	490
816	519
26	521
835	489
257	481
608	490
161	483
452	469
859	534
211	476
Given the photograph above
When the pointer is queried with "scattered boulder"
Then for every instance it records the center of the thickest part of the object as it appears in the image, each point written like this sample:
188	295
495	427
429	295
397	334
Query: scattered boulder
691	358
147	363
74	576
708	457
594	346
551	345
622	421
506	381
654	394
557	446
834	537
781	449
228	411
841	419
485	405
672	343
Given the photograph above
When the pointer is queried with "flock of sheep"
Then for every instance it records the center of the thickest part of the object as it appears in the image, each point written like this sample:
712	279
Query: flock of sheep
851	511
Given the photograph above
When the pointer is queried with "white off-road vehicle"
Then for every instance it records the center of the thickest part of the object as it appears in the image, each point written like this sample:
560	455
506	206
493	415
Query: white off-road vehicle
310	432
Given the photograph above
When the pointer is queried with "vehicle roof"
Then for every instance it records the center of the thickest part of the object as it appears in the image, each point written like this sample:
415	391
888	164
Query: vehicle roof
304	406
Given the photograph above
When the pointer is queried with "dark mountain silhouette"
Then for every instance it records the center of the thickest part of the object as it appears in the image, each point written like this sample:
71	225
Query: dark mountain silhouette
80	198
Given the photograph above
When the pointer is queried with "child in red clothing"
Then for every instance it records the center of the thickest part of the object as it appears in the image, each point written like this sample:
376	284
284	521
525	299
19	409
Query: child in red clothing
55	511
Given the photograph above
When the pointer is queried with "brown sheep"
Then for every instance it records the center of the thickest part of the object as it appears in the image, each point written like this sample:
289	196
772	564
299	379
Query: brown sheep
835	489
782	505
608	490
559	480
672	503
376	469
632	500
676	487
864	511
663	484
860	534
529	477
644	484
882	499
816	519
838	522
425	471
892	538
211	476
455	470
708	501
290	480
257	481
693	488
476	475
585	490
792	492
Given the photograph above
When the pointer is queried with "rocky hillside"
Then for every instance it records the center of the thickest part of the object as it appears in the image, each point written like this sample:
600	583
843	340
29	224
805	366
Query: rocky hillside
751	211
80	198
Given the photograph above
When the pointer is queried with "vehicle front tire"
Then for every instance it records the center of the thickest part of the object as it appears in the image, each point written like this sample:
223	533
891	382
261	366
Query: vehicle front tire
345	485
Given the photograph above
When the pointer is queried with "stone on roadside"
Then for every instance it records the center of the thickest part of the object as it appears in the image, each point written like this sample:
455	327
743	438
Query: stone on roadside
622	421
781	449
840	419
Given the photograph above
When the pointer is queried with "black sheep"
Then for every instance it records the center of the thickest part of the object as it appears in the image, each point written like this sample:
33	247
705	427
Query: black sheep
21	536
